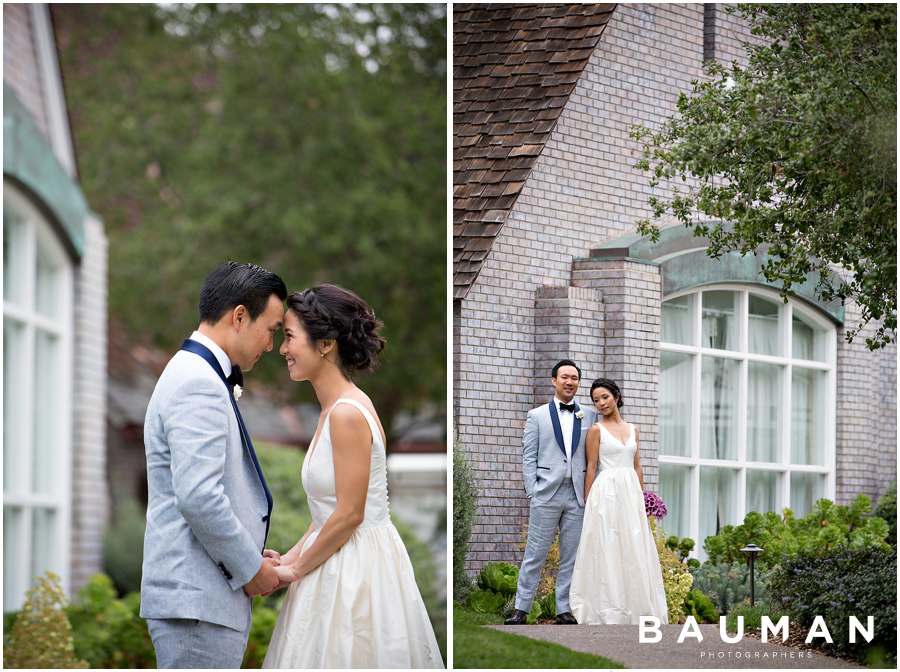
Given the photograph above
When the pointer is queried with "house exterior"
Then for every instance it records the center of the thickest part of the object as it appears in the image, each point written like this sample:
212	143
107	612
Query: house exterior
54	326
743	402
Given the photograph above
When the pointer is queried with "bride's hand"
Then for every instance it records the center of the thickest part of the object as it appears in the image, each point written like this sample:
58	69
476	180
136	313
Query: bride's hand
286	574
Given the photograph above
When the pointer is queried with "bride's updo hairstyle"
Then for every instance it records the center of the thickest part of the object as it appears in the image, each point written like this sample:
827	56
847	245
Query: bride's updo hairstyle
329	312
607	384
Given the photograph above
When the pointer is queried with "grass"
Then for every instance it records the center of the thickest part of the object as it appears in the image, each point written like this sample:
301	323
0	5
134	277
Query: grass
475	646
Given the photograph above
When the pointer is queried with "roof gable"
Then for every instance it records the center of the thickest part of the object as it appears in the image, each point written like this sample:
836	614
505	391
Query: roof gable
514	67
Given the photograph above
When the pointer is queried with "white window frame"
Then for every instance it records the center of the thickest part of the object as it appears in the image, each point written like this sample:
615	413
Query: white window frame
694	461
37	231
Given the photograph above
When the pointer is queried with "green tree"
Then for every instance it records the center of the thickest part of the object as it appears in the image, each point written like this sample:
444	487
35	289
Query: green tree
308	138
797	151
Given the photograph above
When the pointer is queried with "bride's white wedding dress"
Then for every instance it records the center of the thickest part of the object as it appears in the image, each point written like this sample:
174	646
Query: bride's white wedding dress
617	578
361	608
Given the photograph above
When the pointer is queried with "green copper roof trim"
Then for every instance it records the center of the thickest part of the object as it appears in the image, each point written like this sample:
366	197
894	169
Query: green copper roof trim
29	159
684	265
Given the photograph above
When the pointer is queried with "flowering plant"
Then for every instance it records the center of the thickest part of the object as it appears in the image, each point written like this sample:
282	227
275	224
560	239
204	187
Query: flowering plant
579	415
654	505
238	391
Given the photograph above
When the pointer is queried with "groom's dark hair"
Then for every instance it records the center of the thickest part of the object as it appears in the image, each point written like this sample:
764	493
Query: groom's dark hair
234	284
562	363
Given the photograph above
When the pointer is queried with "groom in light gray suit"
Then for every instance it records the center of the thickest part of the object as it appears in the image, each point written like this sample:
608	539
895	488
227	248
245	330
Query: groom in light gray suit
208	504
553	465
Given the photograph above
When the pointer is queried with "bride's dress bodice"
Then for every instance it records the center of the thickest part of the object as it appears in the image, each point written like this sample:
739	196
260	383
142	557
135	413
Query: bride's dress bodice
317	474
613	453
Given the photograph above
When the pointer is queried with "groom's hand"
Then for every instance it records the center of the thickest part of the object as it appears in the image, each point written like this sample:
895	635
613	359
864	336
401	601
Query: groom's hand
265	580
275	555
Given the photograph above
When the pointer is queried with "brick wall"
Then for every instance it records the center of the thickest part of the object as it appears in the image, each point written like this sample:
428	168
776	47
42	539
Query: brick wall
866	427
90	504
583	191
20	65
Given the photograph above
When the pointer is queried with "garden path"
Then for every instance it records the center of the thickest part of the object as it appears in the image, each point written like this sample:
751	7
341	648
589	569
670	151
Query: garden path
620	643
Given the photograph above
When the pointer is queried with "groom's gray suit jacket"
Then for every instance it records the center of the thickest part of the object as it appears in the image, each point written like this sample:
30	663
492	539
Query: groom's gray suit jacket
544	453
206	510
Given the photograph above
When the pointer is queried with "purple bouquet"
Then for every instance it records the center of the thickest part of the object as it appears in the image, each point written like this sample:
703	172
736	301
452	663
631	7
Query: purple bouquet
654	505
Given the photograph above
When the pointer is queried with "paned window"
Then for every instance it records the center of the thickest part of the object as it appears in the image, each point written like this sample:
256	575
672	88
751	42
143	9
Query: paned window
747	398
37	393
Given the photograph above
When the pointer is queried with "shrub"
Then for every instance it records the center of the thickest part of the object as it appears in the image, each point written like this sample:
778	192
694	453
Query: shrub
261	626
677	579
123	544
886	509
501	577
548	605
837	584
41	636
465	502
486	601
827	526
699	606
752	616
728	584
110	632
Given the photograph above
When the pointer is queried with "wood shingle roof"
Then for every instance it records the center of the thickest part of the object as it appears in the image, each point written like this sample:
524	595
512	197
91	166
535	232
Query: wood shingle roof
514	67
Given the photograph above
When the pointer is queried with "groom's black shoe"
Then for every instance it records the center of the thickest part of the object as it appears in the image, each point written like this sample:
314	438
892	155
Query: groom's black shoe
519	617
566	618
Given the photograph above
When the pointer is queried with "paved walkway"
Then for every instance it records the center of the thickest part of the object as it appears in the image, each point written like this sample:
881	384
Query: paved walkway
620	643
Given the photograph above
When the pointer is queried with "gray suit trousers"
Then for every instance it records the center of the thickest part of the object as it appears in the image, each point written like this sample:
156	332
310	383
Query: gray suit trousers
182	643
562	512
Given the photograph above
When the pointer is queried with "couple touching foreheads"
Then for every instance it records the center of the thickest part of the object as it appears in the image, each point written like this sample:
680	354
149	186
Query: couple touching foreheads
609	570
352	599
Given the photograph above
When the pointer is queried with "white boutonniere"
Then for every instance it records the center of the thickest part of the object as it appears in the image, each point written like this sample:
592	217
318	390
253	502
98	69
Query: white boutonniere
238	391
579	415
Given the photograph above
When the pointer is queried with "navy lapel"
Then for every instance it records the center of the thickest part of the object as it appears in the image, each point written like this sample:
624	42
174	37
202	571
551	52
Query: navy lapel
576	430
557	429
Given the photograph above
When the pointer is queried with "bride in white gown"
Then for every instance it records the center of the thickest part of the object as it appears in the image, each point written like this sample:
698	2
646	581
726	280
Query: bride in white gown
617	577
353	600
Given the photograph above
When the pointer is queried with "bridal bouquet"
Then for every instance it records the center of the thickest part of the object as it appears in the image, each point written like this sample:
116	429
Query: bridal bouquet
655	506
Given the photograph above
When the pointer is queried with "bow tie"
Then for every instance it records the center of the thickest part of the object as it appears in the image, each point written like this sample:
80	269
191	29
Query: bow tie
567	407
236	377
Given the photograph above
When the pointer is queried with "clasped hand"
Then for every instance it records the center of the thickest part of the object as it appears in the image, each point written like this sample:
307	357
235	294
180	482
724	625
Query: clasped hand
272	575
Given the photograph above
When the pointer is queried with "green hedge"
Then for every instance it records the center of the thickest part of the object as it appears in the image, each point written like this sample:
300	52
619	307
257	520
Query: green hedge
837	584
465	502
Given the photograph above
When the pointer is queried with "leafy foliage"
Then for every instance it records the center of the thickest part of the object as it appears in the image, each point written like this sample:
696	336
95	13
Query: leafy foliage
826	526
501	577
123	544
699	606
486	601
886	509
752	616
308	138
109	632
677	579
837	584
728	584
41	636
262	624
798	151
465	502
